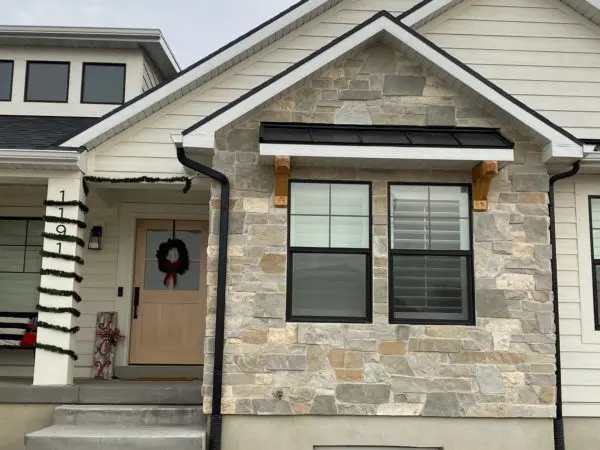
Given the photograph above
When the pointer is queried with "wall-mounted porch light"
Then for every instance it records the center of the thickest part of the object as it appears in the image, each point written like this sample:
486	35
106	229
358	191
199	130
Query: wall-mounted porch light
95	241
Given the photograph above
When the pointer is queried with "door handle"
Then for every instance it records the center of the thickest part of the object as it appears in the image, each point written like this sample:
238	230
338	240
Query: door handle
136	301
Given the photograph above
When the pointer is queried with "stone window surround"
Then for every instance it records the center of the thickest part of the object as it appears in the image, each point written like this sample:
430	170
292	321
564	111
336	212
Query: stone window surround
368	318
469	254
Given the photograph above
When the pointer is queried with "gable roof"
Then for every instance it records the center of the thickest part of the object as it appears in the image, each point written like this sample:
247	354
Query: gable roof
39	132
202	71
382	22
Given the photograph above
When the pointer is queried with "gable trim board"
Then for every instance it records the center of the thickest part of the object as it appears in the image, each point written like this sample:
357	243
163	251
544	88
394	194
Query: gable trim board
50	159
226	56
561	143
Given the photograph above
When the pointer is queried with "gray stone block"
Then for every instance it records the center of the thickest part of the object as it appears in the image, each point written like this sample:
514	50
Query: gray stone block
491	303
530	182
286	362
404	85
379	60
489	380
440	404
359	94
324	405
441	115
354	113
363	393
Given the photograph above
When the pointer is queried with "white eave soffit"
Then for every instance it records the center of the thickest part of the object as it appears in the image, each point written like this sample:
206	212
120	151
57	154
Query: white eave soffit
561	145
42	159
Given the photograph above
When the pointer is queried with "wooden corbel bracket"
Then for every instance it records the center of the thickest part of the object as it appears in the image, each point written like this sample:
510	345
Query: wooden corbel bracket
483	173
282	177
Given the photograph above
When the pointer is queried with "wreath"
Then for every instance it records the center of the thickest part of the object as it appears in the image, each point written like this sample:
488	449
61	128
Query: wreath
172	268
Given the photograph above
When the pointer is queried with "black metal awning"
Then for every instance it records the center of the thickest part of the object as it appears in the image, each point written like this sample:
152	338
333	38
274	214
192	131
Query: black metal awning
382	135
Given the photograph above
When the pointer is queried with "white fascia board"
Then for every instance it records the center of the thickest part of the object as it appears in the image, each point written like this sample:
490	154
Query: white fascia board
114	120
44	159
419	46
390	153
201	141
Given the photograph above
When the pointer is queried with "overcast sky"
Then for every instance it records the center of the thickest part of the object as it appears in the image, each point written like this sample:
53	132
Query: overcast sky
193	28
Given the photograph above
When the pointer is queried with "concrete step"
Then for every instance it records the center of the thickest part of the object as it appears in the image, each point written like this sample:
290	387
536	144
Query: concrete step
129	415
101	437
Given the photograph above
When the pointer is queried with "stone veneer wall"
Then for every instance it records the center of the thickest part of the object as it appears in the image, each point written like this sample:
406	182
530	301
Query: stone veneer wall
502	367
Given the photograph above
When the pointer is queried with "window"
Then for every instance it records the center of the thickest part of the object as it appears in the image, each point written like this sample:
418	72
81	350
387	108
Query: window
47	82
20	263
6	78
329	253
103	83
594	205
431	258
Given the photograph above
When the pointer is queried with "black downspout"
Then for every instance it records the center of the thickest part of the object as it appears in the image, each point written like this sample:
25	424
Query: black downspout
216	420
559	426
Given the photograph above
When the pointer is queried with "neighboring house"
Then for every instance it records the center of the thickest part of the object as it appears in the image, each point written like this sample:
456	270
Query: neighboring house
372	263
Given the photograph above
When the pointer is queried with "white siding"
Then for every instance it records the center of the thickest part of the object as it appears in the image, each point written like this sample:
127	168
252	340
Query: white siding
151	136
542	52
150	77
580	343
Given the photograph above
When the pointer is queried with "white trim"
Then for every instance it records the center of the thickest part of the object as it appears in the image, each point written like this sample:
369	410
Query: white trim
558	140
424	13
44	159
129	213
235	51
389	153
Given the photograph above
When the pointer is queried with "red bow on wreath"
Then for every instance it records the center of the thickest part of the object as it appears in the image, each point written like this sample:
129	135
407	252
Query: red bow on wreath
171	270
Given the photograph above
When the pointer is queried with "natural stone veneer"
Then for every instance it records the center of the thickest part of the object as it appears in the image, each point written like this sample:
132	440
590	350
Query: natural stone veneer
502	367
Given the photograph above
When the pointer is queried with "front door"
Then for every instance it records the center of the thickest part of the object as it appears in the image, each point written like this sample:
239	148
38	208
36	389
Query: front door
169	309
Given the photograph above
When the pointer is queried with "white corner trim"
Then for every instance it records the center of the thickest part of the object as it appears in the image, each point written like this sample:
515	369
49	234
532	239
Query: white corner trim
200	141
390	153
44	159
114	120
557	152
424	12
354	40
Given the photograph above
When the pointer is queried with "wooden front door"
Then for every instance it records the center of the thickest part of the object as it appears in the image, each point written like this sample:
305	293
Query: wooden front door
168	320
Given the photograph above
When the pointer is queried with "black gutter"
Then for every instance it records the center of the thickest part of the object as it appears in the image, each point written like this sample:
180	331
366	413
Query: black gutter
216	420
559	425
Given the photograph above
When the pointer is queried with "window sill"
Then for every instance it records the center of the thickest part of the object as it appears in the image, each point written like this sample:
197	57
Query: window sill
468	322
331	320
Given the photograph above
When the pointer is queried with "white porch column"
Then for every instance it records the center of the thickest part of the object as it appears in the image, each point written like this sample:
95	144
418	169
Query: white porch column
53	368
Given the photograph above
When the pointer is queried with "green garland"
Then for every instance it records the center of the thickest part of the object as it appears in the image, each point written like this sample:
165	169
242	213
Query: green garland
77	203
55	349
72	258
186	180
60	293
63	220
62	274
64	238
50	309
49	326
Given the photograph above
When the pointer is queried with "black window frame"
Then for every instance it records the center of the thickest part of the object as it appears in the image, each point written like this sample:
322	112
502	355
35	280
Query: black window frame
27	220
469	254
12	79
367	252
595	262
61	63
83	67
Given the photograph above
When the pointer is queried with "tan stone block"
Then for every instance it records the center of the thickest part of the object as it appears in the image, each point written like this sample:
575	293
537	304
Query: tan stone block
256	205
276	336
228	406
532	198
264	378
546	395
254	337
291	334
392	347
516	281
513	379
506	357
336	357
353	360
349	374
445	331
273	262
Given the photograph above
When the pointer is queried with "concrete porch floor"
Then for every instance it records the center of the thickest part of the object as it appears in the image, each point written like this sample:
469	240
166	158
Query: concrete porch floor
102	392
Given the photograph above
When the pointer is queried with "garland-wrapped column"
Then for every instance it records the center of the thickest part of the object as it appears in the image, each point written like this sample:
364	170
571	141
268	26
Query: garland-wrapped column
60	281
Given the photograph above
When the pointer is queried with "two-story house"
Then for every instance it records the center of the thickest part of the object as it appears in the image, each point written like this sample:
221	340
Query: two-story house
376	240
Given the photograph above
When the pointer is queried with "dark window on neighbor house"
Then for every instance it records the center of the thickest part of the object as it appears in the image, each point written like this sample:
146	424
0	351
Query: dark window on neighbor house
6	79
47	82
594	205
20	263
103	83
431	256
329	252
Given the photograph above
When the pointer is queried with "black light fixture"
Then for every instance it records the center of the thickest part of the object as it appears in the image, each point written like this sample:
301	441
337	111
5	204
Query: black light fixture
95	241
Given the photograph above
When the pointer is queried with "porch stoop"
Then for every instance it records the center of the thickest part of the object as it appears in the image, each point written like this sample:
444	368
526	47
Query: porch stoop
120	427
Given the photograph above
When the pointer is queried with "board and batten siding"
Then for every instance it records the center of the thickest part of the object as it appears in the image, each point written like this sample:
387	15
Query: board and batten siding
580	342
540	51
151	137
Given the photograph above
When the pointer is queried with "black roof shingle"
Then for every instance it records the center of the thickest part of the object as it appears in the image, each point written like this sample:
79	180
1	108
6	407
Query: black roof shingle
39	132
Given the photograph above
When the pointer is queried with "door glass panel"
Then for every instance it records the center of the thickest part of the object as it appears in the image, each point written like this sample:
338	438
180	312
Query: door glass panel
154	238
192	240
154	278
